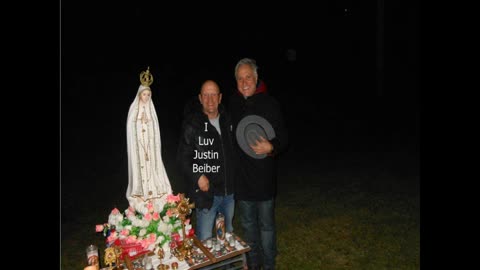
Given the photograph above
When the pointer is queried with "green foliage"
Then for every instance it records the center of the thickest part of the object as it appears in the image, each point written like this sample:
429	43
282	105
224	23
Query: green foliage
135	230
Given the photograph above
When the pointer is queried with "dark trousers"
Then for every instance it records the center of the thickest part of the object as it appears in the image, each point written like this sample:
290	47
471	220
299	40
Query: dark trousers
257	219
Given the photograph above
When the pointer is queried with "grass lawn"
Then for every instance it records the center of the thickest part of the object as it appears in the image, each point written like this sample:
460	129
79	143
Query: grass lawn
360	213
348	225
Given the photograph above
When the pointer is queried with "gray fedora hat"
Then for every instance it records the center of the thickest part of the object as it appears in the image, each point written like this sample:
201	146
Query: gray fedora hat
249	130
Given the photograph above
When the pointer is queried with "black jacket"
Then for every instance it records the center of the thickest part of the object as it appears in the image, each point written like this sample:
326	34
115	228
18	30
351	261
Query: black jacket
194	141
256	178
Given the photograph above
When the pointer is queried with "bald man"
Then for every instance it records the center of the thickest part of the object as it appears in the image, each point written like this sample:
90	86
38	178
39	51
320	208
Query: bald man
205	155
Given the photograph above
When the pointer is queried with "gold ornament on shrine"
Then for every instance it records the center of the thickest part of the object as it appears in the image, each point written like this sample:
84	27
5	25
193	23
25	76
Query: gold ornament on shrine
163	267
183	209
161	255
146	78
112	256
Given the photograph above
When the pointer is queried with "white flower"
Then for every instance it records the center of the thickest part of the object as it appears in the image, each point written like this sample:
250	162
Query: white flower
137	222
165	218
151	247
162	227
119	218
142	232
178	222
188	228
159	239
145	223
113	219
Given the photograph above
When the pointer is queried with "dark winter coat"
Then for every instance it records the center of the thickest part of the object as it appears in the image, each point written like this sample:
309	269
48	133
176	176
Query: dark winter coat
256	178
195	135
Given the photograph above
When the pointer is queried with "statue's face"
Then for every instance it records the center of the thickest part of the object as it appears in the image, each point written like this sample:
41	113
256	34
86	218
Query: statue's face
145	96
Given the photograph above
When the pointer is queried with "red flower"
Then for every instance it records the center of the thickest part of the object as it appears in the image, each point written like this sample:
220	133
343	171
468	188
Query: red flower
191	232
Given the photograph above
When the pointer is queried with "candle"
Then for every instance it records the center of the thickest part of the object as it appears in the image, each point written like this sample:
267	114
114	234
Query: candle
232	241
148	264
92	255
220	227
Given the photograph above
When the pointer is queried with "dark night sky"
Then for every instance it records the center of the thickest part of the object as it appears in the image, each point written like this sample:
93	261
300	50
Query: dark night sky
105	47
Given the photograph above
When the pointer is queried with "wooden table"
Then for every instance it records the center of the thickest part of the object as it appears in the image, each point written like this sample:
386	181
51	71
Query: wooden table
225	256
205	258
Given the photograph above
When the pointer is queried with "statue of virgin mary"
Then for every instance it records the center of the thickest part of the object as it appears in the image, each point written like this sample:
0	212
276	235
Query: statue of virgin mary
147	178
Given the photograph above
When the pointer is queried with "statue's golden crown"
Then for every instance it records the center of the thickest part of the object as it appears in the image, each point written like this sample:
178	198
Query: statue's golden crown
146	78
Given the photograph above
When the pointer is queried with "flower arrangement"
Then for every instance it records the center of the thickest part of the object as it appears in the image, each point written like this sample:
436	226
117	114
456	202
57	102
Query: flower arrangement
140	233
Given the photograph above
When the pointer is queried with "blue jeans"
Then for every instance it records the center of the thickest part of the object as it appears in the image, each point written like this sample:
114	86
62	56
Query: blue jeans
257	219
206	217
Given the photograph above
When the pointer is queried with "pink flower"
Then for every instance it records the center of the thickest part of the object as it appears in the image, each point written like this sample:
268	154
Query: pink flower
146	242
125	232
131	239
147	217
130	211
156	216
112	237
187	221
172	198
152	237
115	211
99	228
176	237
169	213
150	207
